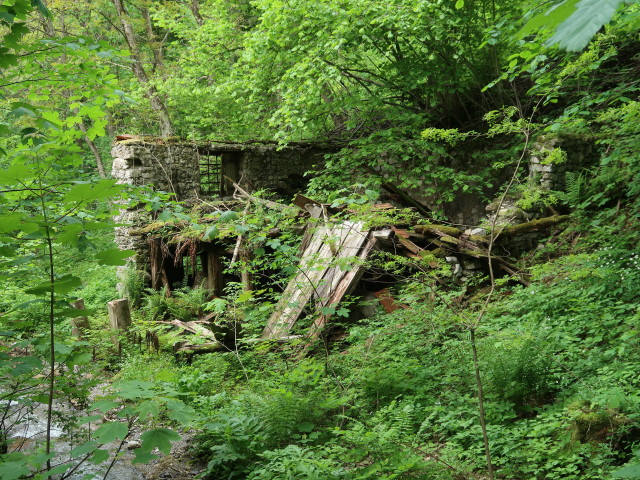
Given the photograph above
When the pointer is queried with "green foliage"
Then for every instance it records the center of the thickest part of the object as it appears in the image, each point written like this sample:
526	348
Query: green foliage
574	22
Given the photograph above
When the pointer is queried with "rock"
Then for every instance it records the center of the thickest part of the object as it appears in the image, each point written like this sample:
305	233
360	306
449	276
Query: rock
133	444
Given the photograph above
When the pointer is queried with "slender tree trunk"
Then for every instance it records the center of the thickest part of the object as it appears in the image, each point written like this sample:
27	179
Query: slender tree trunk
166	127
94	150
195	9
154	44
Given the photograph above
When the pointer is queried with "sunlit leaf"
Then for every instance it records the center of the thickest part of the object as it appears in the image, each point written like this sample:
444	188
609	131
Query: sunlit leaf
114	256
110	431
159	438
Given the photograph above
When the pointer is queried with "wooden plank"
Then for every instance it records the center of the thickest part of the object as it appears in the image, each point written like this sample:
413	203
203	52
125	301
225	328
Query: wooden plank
344	287
301	201
291	303
352	240
319	275
387	301
403	237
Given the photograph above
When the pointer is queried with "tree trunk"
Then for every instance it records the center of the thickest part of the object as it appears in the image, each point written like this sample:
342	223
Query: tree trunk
166	127
79	324
195	9
94	150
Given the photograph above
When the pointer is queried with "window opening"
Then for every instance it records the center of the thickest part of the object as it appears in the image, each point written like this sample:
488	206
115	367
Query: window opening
210	181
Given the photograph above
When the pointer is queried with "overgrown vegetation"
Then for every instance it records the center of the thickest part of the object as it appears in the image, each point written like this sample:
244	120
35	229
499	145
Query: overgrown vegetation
531	375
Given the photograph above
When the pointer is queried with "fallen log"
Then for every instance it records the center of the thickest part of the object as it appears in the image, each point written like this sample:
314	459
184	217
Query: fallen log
533	225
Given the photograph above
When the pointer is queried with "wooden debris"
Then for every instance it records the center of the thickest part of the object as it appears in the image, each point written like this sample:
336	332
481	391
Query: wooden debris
403	238
387	301
194	327
320	273
247	196
344	286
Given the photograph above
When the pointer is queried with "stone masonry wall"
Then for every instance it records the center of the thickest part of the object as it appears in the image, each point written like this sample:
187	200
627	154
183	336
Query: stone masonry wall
168	167
280	171
578	152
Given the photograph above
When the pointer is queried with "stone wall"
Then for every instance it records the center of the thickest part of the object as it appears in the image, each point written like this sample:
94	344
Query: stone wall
268	167
553	155
174	167
168	167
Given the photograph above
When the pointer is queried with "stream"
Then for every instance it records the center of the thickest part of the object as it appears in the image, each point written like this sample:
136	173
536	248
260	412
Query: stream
27	427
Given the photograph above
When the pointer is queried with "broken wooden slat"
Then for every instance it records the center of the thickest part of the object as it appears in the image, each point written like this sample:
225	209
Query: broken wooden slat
195	328
387	301
345	286
403	238
319	275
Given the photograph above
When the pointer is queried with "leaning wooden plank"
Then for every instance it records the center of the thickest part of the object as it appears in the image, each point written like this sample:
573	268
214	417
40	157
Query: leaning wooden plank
353	236
318	274
346	286
300	289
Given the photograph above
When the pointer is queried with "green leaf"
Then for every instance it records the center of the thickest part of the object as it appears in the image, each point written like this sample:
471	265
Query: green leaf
630	471
550	19
61	286
159	438
21	112
104	405
135	389
39	4
59	469
181	412
84	449
211	233
142	457
165	216
99	456
575	32
114	256
459	4
110	431
228	216
13	470
86	192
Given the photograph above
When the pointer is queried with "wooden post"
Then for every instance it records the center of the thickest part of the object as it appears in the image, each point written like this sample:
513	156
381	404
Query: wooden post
155	258
215	281
79	324
119	317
